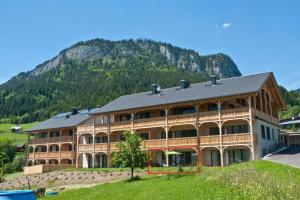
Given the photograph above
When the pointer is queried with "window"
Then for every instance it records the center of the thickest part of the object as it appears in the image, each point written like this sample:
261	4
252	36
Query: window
263	133
268	133
144	136
212	107
124	118
214	131
273	137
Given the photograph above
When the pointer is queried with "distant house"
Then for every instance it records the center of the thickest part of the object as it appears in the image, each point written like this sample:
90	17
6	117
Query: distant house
290	132
17	129
20	148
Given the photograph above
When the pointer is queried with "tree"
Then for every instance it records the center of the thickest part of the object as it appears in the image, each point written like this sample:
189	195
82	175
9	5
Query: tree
130	153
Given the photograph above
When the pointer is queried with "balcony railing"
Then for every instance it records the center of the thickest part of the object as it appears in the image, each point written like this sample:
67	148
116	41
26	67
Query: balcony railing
179	119
236	138
210	140
155	121
49	155
172	120
101	147
184	141
85	147
85	128
235	113
154	143
51	140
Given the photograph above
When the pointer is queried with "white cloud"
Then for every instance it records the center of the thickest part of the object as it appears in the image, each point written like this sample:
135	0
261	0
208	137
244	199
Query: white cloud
226	25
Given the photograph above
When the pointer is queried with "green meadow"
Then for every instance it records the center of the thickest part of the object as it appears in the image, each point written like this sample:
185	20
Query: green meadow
252	180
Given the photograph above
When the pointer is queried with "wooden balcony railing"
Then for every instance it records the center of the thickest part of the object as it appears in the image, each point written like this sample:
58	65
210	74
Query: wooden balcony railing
235	113
184	141
85	147
49	155
209	116
85	128
265	116
179	119
113	146
101	147
210	140
120	125
51	140
236	138
158	143
155	121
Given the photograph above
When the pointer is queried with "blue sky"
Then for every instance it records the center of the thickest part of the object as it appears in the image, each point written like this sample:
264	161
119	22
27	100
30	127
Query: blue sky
258	35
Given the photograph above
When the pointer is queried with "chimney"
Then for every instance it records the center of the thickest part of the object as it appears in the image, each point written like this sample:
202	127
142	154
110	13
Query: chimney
213	80
184	84
74	111
155	89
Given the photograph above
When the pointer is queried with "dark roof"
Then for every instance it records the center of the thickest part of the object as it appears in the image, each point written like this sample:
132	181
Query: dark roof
62	121
198	91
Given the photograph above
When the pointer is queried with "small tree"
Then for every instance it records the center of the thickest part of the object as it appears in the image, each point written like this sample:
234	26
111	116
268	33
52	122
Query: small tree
130	153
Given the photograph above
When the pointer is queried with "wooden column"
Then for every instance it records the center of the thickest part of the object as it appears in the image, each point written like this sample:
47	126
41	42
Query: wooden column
197	125
132	120
167	134
59	145
261	99
77	152
251	127
220	134
28	138
108	141
94	135
73	146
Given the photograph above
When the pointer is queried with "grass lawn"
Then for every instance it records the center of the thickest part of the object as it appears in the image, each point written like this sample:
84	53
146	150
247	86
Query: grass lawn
253	180
19	138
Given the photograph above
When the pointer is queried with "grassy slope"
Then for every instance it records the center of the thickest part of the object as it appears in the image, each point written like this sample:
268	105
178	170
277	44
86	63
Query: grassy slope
253	180
19	138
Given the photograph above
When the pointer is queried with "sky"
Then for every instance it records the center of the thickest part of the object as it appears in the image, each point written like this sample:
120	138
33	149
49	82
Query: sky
259	36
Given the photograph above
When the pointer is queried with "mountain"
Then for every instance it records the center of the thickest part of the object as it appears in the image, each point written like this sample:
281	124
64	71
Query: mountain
95	72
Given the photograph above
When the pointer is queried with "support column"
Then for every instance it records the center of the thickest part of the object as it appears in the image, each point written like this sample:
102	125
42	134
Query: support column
132	120
261	99
73	147
251	127
77	153
93	160
59	145
94	135
167	135
220	134
28	138
108	141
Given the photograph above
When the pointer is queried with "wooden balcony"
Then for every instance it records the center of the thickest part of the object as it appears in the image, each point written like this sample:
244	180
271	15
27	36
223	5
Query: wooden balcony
85	128
158	143
235	113
210	140
120	126
101	147
209	116
231	139
85	147
52	155
265	116
181	119
150	122
113	146
51	140
184	141
172	120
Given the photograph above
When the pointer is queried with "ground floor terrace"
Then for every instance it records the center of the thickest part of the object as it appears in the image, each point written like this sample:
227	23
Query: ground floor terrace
235	144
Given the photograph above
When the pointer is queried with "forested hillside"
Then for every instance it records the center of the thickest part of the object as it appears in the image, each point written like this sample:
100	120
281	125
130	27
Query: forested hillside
292	100
97	71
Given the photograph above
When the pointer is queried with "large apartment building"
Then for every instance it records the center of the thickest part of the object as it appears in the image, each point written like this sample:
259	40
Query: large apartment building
228	120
